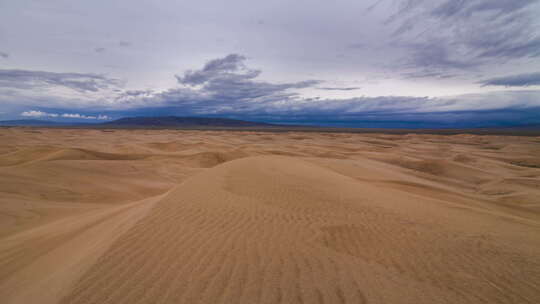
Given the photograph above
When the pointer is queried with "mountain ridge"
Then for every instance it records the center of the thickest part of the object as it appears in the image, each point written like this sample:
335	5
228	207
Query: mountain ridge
182	121
30	122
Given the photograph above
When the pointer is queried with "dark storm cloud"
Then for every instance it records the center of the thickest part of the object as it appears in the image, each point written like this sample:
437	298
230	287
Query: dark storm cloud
23	79
460	35
520	80
4	55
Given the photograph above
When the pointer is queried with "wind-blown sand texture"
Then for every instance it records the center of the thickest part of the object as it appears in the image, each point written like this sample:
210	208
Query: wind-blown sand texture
167	216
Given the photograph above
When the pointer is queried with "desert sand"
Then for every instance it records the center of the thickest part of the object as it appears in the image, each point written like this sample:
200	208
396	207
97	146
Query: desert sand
171	216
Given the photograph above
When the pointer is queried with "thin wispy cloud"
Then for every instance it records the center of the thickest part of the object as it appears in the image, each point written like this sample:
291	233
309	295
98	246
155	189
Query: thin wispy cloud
520	80
339	89
83	82
460	35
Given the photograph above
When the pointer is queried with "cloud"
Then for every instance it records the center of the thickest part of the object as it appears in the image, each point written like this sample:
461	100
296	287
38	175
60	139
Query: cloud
190	102
230	67
41	114
136	93
520	80
124	43
221	85
358	45
435	56
24	79
339	89
431	120
443	35
229	80
80	116
374	5
99	50
4	55
427	73
38	114
466	8
228	87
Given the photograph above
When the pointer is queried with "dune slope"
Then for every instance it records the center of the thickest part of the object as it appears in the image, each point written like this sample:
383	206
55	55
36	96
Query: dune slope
40	265
281	230
172	216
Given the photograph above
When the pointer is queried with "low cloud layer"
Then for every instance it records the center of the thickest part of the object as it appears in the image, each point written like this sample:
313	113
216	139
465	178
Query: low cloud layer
38	114
41	114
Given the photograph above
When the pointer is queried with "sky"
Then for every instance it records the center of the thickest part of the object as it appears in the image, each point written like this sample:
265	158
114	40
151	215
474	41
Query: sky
412	63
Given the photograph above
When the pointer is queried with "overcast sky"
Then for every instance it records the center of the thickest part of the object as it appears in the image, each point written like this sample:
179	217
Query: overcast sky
438	60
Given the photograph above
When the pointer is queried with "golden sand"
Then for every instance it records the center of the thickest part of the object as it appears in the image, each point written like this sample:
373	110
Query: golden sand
165	216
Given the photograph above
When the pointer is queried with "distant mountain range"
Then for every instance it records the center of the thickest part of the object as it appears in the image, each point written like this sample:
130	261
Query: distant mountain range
30	123
525	127
176	121
224	123
145	122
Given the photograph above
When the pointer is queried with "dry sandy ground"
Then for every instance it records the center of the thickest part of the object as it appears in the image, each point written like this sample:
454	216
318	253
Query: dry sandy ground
97	216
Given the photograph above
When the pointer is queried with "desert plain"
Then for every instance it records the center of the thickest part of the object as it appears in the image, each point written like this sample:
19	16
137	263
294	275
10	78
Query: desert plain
176	216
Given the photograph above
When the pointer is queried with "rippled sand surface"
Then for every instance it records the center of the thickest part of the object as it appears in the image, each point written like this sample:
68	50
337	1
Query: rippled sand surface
168	216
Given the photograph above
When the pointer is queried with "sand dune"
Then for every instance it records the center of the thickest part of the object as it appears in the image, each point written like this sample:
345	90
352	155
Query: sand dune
247	217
